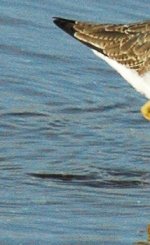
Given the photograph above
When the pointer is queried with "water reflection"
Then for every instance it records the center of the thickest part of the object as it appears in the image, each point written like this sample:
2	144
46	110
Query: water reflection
104	178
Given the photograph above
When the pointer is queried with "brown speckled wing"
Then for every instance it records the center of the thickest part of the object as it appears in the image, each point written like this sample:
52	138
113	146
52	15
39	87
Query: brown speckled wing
127	44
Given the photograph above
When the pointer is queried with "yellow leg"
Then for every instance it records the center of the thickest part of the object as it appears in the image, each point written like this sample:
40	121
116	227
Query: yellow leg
145	110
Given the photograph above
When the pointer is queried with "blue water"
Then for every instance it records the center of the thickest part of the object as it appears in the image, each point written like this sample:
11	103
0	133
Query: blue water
74	148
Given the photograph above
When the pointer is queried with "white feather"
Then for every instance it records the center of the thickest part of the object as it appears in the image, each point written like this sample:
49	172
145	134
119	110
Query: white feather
140	83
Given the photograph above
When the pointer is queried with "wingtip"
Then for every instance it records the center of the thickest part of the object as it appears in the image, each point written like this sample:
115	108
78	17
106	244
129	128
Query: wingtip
65	24
55	19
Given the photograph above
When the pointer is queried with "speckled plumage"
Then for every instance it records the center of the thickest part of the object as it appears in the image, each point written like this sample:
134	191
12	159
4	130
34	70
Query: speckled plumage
124	47
127	44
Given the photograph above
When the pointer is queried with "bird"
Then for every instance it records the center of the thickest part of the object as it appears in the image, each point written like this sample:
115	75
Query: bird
125	47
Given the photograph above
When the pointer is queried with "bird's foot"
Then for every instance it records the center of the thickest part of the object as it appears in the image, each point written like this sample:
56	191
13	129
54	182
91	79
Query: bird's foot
145	110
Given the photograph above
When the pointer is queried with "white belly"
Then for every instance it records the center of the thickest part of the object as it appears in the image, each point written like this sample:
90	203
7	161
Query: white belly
140	83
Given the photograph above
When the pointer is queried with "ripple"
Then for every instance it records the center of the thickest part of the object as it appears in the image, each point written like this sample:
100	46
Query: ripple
113	180
93	109
23	114
12	21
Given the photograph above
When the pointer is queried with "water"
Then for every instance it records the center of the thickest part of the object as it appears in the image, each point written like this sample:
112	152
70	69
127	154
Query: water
74	148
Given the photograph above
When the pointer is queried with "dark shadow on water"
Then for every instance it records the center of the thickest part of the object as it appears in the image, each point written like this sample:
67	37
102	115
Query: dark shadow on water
64	177
115	180
23	114
93	109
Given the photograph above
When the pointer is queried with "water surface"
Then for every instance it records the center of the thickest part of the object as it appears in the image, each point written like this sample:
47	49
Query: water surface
74	148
